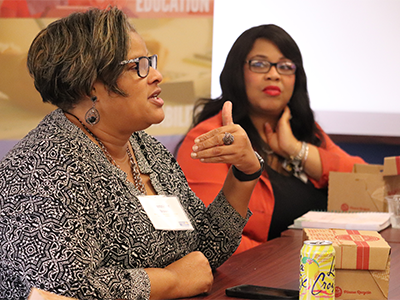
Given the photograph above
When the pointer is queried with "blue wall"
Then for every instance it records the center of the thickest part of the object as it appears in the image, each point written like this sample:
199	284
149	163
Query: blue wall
371	153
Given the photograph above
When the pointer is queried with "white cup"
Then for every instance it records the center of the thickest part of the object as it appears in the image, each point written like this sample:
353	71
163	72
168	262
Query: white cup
394	209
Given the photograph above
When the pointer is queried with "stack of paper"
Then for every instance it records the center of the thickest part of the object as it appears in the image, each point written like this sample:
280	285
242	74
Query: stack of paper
341	220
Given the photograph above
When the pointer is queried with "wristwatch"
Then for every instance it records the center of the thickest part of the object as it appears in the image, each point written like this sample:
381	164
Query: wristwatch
248	177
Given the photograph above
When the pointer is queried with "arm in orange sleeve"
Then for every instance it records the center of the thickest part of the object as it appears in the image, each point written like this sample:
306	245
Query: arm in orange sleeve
334	159
246	243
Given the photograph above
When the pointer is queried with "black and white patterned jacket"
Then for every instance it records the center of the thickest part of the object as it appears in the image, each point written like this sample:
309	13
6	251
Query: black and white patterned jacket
70	222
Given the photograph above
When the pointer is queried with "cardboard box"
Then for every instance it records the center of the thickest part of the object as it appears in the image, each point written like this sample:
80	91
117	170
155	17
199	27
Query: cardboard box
391	174
362	262
365	188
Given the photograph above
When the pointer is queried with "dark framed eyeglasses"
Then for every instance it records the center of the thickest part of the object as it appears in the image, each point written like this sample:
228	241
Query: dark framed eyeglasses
263	66
143	64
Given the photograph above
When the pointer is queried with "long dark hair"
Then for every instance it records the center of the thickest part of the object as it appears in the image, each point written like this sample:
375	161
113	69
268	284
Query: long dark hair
233	88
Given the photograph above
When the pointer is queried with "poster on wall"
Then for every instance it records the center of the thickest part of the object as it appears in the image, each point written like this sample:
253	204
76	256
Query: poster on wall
179	31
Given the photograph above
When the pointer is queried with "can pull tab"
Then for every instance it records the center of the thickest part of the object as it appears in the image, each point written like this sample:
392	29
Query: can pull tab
318	242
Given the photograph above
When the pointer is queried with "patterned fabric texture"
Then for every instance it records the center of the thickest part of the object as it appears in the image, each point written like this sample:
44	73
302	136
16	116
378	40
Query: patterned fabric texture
70	222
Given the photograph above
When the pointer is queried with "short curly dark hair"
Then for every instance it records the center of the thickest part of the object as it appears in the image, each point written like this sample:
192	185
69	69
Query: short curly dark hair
71	54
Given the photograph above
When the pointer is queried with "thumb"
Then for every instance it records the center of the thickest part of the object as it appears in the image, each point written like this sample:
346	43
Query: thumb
227	113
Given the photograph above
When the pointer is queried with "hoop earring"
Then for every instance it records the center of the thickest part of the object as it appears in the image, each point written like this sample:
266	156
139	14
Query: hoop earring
92	116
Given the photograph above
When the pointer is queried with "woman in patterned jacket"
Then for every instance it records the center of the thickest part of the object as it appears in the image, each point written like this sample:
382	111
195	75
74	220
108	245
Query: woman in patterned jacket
75	192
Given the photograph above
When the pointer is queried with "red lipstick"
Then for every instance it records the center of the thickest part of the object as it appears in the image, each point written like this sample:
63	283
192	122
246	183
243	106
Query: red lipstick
272	90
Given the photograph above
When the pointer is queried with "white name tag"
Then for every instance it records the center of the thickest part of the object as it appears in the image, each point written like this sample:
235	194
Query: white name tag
165	212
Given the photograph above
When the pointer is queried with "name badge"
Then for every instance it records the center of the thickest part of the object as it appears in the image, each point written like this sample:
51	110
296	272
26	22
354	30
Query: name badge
165	212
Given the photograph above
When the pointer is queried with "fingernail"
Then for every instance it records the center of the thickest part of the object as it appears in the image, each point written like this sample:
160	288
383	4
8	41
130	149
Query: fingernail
196	140
193	155
195	147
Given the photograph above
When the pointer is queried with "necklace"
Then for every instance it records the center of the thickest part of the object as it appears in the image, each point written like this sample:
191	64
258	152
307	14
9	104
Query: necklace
134	167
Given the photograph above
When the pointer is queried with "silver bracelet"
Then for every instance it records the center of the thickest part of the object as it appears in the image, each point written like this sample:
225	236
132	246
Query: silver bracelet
301	154
303	161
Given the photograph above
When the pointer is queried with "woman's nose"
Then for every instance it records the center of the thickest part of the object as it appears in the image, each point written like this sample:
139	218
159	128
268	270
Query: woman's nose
155	75
272	74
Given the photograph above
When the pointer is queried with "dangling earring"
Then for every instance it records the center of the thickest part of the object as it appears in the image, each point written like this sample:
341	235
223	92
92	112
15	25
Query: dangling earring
92	116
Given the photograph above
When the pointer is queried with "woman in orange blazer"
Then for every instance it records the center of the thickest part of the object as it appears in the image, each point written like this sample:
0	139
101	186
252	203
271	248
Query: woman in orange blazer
265	80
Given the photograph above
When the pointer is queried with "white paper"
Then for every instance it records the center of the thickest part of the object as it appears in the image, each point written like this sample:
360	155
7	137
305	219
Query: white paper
375	221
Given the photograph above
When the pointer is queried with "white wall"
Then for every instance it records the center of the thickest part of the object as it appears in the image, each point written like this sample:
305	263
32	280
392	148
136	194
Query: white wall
351	52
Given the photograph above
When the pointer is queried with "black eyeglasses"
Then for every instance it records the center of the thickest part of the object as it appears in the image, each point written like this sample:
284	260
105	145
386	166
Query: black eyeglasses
143	64
263	66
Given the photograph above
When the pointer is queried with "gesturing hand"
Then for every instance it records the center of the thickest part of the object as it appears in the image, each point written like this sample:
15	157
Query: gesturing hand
210	147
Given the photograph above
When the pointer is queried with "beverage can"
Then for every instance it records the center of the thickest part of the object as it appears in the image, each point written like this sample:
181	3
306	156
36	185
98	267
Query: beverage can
317	270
